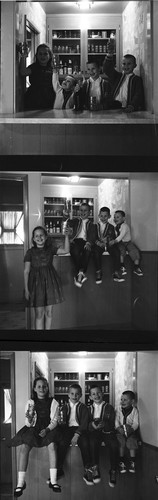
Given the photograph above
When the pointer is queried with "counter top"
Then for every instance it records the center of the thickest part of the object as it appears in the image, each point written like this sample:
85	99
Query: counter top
80	117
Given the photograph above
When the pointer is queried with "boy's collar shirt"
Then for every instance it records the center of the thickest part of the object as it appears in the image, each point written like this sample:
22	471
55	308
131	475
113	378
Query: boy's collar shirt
72	420
97	409
102	226
95	90
123	91
83	234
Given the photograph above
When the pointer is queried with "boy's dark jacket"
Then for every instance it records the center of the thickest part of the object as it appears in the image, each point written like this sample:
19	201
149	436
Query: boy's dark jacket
81	416
135	95
76	224
107	416
109	232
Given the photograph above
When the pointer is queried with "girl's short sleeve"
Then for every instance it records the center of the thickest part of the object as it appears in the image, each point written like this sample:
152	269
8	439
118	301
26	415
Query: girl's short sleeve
27	257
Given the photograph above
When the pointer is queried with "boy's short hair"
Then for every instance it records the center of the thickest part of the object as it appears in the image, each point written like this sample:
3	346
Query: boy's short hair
94	386
76	386
130	394
130	56
120	212
93	61
105	209
84	204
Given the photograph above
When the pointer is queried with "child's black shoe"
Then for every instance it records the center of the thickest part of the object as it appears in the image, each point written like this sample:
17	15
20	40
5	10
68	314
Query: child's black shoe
19	490
112	480
88	477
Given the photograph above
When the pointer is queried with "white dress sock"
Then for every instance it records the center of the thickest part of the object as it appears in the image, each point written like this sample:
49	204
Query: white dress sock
21	479
53	476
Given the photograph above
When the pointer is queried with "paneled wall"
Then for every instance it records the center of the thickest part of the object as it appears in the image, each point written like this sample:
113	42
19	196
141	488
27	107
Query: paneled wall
114	193
137	41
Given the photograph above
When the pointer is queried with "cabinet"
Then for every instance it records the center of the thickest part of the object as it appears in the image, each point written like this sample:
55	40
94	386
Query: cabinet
53	214
62	381
97	44
76	202
67	45
103	381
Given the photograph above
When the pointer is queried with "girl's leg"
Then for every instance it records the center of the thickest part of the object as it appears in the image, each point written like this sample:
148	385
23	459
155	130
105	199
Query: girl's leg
48	317
53	467
39	318
23	463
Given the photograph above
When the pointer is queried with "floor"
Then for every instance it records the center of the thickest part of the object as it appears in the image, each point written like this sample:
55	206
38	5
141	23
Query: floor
139	486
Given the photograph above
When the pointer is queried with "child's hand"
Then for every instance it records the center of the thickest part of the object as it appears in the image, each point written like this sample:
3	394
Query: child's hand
42	433
129	429
100	244
28	416
110	47
111	243
129	109
121	430
27	294
77	88
87	246
74	439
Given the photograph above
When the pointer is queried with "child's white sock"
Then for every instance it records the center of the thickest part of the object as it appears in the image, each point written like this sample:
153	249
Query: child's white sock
53	476
21	479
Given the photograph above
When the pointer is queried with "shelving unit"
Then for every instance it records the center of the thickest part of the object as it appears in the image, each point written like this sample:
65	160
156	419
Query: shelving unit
62	381
76	202
97	43
53	215
102	379
67	45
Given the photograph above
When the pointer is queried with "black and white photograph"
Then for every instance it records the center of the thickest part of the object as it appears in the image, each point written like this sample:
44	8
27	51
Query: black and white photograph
101	418
78	250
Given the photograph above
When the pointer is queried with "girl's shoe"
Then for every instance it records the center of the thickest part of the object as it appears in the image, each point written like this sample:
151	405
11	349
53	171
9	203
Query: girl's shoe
19	490
55	487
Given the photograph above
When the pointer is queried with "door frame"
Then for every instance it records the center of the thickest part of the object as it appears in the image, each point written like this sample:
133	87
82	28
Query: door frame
10	355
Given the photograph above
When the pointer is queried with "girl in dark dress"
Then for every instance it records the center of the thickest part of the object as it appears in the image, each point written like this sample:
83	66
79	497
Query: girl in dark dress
40	94
43	287
41	418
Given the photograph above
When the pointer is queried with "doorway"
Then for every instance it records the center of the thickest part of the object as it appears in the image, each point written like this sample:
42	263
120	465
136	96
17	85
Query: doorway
13	244
7	424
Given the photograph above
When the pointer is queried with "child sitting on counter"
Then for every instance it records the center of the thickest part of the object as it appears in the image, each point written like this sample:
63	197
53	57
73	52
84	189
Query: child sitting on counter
65	92
127	88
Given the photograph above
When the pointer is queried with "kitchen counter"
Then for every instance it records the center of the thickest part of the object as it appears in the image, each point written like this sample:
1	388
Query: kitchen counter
66	132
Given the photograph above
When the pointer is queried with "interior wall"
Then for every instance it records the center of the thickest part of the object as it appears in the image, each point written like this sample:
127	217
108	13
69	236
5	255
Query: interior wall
147	384
137	41
35	15
41	359
34	201
114	193
144	210
123	374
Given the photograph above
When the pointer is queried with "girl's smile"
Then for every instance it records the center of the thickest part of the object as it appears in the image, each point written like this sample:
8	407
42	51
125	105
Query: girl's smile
39	238
41	389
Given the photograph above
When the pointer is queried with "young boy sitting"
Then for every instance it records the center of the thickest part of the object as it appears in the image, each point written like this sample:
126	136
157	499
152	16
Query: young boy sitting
127	88
126	424
123	239
65	93
75	432
82	237
97	88
105	232
102	429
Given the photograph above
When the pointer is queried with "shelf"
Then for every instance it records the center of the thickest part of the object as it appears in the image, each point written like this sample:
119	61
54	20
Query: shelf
65	39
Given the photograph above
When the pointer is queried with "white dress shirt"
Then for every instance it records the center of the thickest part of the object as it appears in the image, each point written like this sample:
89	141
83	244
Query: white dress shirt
72	419
98	409
82	234
95	90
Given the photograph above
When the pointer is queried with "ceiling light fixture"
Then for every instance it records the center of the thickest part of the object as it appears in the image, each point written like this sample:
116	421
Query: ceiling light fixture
84	5
74	178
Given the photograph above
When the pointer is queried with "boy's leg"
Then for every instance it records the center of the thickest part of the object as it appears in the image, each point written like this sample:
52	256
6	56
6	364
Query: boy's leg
115	256
111	441
63	444
97	252
87	458
132	446
135	257
122	443
75	250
